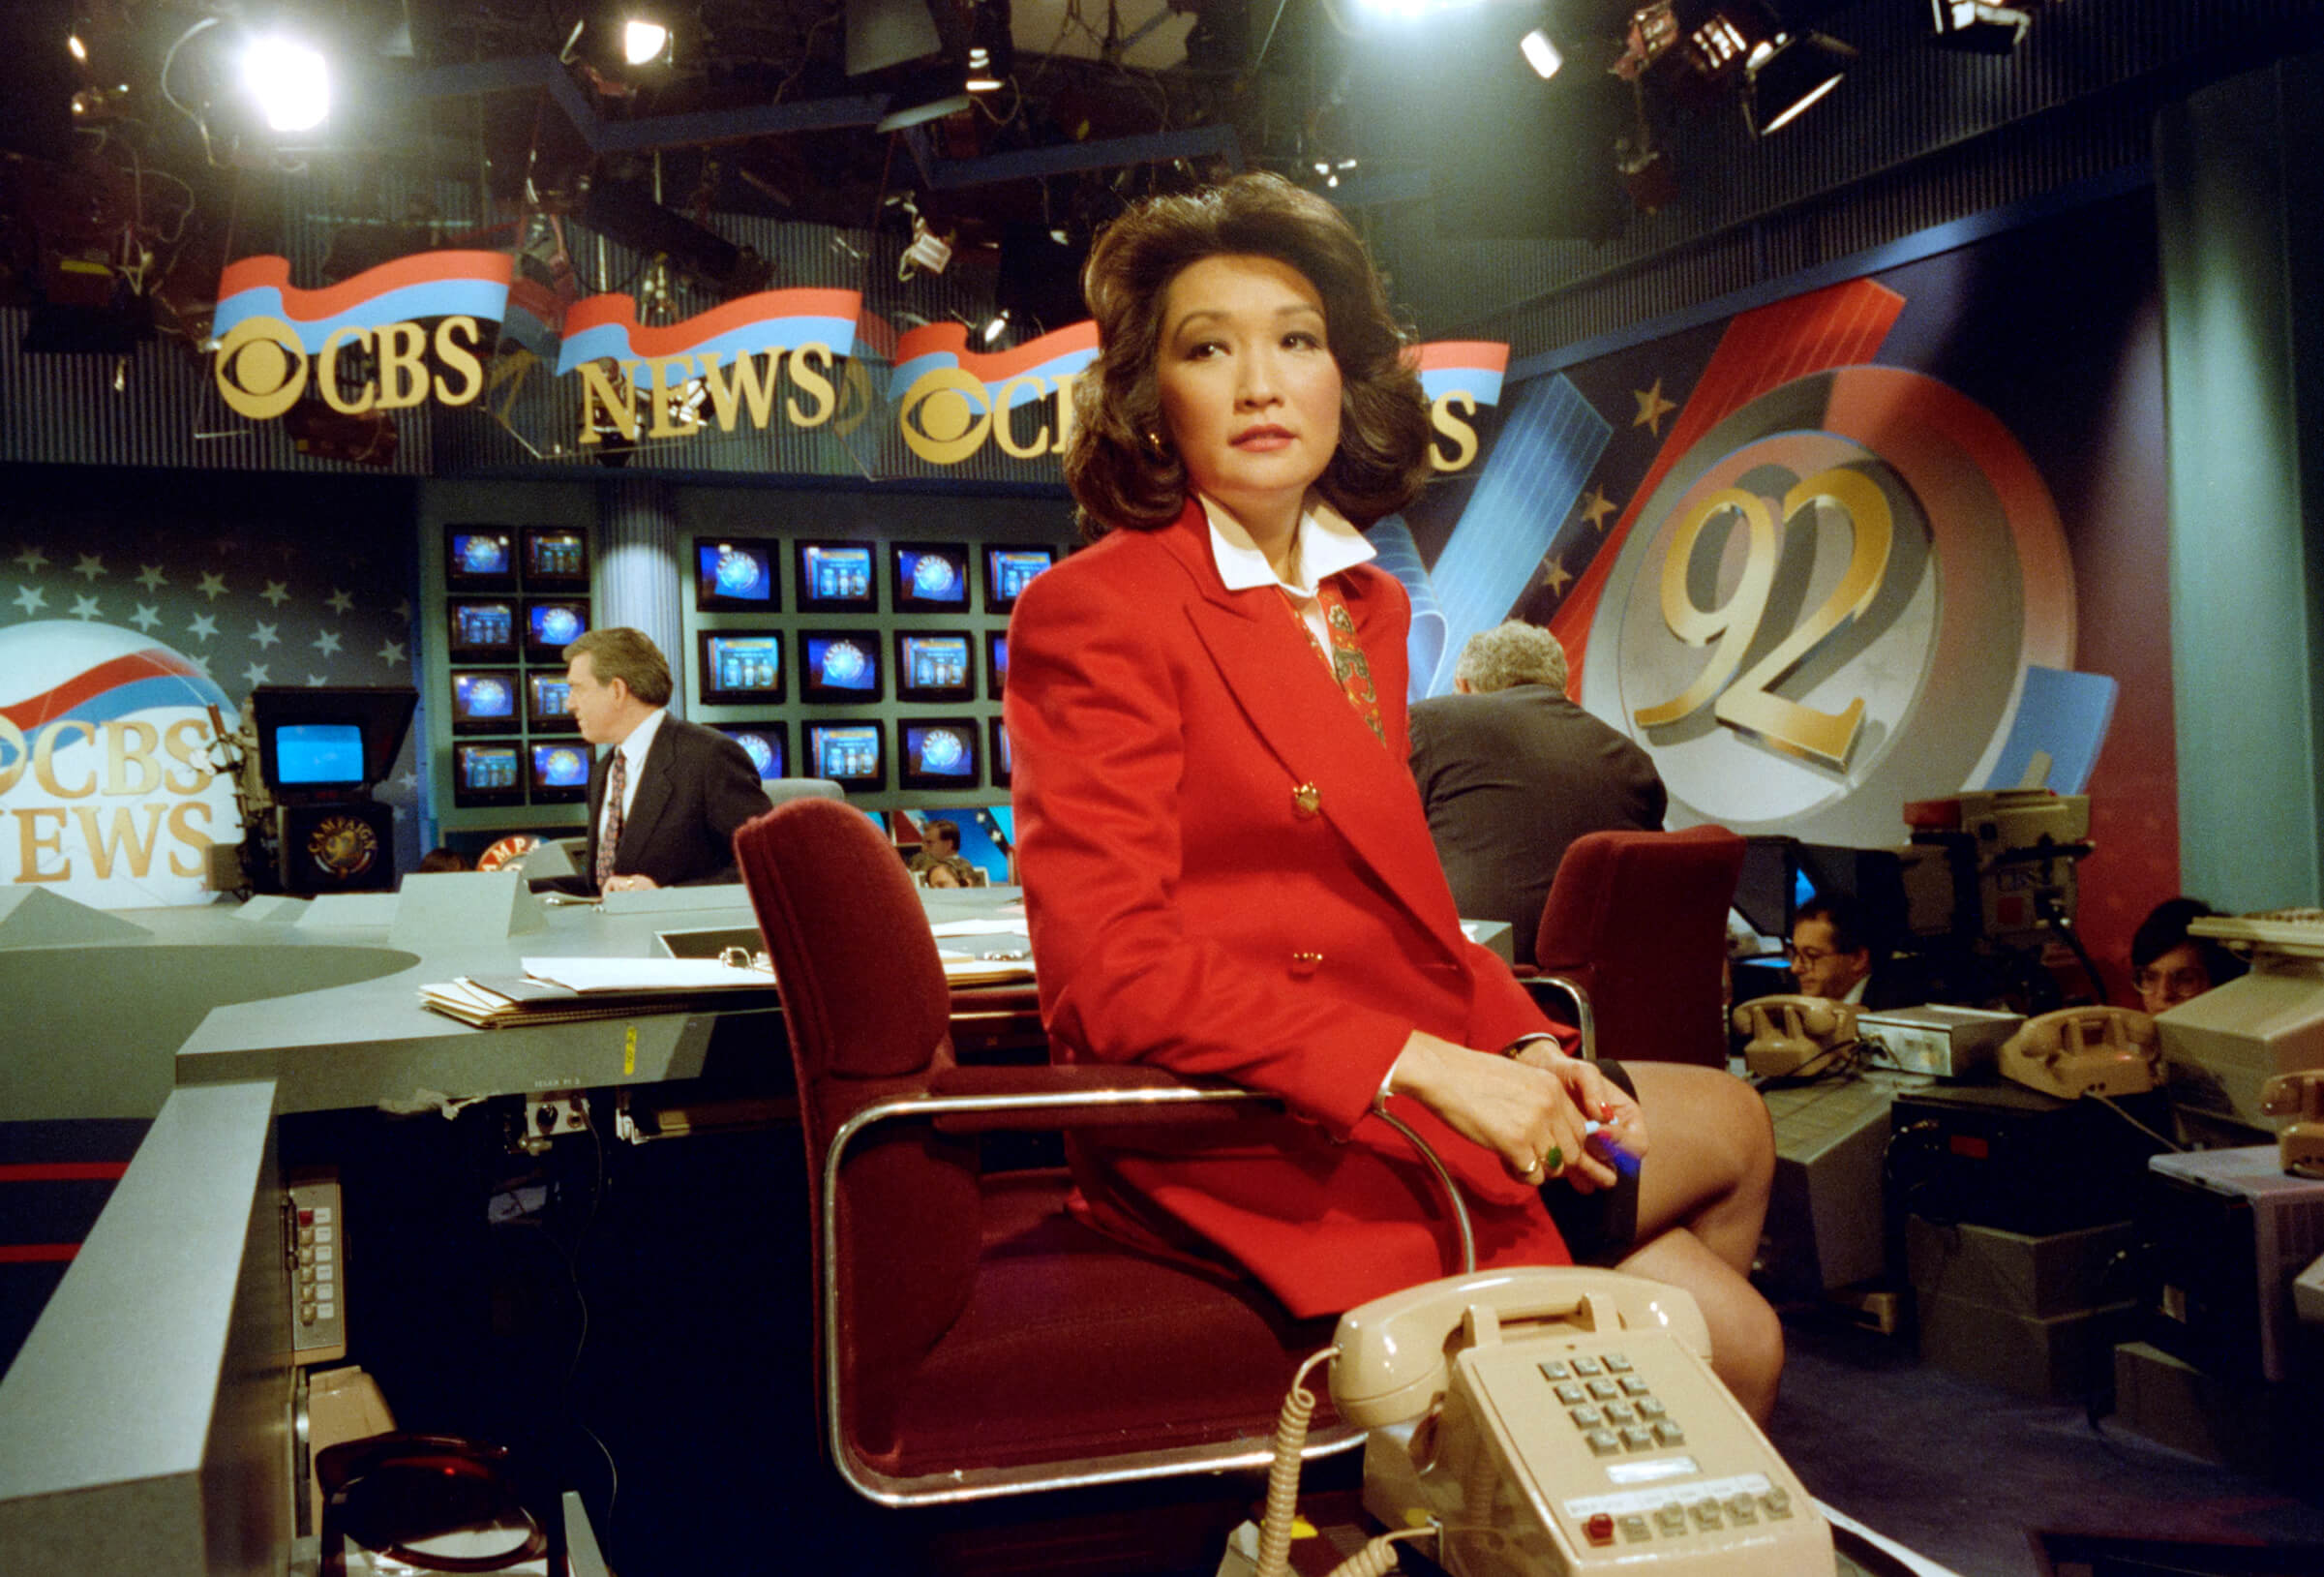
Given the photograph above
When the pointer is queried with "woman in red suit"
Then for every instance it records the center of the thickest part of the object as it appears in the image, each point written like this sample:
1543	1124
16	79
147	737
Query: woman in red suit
1226	865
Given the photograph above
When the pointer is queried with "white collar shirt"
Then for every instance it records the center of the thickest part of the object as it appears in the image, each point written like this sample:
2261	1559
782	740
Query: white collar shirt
1327	544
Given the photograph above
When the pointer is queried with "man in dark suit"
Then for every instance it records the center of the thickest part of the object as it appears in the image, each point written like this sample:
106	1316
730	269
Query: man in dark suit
1836	952
1512	772
665	801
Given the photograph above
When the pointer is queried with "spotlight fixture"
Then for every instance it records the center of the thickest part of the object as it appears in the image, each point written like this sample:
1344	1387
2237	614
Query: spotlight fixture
1788	73
1541	53
994	327
645	42
991	50
1978	26
290	81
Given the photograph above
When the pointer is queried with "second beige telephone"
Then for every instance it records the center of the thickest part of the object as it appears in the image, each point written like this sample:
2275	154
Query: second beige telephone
1566	1420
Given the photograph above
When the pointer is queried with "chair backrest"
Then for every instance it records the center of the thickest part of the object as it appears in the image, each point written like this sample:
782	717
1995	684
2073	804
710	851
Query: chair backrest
1639	920
783	790
867	1013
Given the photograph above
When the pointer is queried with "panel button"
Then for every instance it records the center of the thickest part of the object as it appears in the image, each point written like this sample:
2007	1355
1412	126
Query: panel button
1776	1503
1632	1385
1706	1513
1599	1528
1637	1438
1651	1407
1586	1417
1588	1366
1556	1369
1742	1511
1572	1394
1616	1363
1635	1530
1604	1390
1667	1433
1670	1520
1604	1442
1620	1412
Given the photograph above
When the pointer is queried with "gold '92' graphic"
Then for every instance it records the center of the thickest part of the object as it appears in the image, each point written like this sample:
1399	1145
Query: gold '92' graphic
1746	702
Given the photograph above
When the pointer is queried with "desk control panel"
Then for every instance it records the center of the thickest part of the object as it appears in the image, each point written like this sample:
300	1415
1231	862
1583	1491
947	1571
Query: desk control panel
316	1243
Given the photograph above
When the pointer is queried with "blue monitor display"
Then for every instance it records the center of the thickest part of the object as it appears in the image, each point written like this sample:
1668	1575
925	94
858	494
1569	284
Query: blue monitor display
482	630
1008	570
485	771
846	753
837	575
765	744
475	557
551	627
839	665
555	558
932	667
318	755
560	768
734	574
996	663
739	667
931	576
940	753
1003	758
484	699
546	701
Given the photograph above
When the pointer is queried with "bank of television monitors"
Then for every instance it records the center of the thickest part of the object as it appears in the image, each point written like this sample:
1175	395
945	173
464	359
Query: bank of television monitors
481	629
737	574
837	577
551	627
939	753
740	667
484	701
560	772
1001	760
546	697
934	665
849	754
996	665
556	559
768	744
931	577
487	774
839	666
480	559
1009	569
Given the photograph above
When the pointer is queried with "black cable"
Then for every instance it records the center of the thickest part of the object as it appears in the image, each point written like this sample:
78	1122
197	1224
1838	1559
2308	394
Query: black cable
2053	914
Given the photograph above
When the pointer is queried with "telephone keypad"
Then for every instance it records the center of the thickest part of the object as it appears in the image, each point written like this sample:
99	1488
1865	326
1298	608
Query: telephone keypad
1587	1366
1638	1439
1620	1412
1667	1433
1617	1364
1572	1393
1651	1407
1586	1417
1632	1385
1604	1390
1604	1442
1556	1369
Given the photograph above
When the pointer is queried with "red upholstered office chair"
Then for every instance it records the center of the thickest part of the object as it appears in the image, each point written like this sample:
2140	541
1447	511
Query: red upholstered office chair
975	1339
1635	931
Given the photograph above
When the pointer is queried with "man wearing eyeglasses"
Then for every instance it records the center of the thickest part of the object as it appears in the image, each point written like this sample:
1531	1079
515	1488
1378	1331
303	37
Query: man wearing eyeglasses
1830	953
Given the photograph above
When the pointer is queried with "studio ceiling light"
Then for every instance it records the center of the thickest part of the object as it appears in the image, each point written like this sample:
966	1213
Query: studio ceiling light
290	81
1541	53
1789	74
1978	26
645	42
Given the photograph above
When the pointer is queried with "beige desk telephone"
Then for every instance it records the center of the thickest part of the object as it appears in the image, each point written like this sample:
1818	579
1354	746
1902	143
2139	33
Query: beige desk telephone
2299	1095
1786	1032
2079	1052
1565	1421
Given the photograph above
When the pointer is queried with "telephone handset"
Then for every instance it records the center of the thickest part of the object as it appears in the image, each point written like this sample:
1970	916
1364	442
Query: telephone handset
1784	1032
2299	1095
2079	1052
1565	1420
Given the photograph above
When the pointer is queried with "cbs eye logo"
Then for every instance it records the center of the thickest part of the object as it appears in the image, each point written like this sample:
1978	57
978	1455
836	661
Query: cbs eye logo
261	368
946	415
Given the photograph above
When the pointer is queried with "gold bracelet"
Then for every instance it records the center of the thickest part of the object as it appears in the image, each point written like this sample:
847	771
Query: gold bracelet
1516	1047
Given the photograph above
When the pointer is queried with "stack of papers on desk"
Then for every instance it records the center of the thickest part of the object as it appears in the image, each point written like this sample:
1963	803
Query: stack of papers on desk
563	990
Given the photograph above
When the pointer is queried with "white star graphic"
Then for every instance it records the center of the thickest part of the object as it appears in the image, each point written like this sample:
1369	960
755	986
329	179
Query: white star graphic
276	593
391	653
316	681
86	608
410	782
202	627
264	635
150	577
255	673
91	567
396	812
32	558
31	598
339	600
327	643
213	586
146	617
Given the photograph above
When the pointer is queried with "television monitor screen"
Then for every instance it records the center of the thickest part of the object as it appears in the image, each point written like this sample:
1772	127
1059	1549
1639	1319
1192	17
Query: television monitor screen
768	744
551	627
556	558
838	665
1009	569
560	772
483	701
931	577
940	753
546	696
1002	760
740	666
479	558
486	773
996	665
836	576
736	574
480	627
318	755
934	665
846	753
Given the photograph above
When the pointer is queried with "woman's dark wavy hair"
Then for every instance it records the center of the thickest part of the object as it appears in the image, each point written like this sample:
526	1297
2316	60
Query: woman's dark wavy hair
1118	476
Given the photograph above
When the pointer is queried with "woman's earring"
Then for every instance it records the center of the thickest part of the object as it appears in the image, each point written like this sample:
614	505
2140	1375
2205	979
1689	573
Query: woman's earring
1157	446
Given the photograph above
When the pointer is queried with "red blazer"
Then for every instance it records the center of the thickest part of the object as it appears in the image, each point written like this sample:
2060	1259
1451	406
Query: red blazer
1227	875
